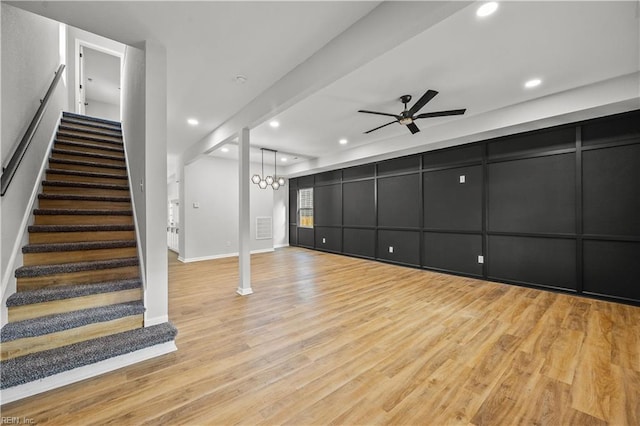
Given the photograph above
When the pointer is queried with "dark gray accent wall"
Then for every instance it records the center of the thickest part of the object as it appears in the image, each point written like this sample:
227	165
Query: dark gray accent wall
556	208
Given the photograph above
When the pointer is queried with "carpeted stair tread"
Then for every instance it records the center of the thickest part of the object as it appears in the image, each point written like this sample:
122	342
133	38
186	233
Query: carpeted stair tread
82	212
84	198
116	148
39	365
86	174
86	163
99	132
90	118
68	320
80	228
66	184
88	245
65	268
86	154
42	295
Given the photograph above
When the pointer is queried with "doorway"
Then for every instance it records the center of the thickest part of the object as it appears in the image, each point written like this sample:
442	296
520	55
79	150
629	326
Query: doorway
98	81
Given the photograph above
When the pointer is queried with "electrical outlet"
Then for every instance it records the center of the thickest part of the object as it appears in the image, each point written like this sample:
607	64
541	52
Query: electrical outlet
390	249
324	240
480	259
196	205
463	178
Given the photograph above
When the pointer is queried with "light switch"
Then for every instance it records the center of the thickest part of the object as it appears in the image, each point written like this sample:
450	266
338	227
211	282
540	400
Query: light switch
196	205
480	259
390	249
463	178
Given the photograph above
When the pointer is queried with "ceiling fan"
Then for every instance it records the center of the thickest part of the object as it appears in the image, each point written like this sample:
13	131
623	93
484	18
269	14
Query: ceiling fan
408	116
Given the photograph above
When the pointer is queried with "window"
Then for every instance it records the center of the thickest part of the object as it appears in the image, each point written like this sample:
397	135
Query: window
305	208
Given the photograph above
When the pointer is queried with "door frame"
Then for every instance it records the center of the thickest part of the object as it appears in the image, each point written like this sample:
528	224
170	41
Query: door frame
79	70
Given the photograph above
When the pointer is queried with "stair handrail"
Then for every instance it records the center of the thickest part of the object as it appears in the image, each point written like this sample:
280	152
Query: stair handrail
14	162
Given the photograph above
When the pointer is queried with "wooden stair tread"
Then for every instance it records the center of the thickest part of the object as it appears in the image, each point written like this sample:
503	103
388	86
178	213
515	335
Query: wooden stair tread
68	292
98	132
59	322
115	126
90	119
86	174
80	228
115	148
85	185
83	245
87	154
82	212
67	268
86	163
84	198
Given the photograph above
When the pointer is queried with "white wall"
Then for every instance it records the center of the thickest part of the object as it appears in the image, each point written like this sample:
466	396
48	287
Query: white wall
30	56
211	230
144	121
102	110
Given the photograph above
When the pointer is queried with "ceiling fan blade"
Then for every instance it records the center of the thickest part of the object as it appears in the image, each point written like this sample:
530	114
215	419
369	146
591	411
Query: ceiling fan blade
440	113
430	94
414	129
380	127
380	113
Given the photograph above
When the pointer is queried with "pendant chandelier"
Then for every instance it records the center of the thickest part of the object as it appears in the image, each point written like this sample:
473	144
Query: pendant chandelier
274	181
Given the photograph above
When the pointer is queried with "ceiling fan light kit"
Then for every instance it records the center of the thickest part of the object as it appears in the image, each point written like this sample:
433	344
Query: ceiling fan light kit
408	116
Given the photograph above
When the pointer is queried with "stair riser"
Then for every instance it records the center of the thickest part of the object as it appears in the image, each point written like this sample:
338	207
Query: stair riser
36	310
63	219
52	258
78	128
29	345
85	191
77	237
86	179
84	158
81	168
83	204
82	277
83	136
88	148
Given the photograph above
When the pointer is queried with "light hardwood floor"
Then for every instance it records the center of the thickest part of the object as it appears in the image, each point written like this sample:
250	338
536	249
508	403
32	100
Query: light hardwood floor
328	339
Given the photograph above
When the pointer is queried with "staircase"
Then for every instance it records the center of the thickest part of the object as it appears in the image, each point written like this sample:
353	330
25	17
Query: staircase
79	291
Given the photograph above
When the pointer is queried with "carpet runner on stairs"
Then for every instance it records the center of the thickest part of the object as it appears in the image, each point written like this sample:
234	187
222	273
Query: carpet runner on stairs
79	296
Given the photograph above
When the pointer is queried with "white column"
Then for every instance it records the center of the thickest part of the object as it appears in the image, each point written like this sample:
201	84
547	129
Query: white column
244	251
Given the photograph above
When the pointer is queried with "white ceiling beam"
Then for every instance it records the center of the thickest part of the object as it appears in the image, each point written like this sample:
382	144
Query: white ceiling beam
386	26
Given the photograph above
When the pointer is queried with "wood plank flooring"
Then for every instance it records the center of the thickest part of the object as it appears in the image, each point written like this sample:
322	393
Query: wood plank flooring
329	339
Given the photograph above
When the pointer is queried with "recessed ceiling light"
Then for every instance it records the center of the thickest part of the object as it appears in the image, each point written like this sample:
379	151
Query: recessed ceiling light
487	9
274	124
284	159
532	83
343	141
192	121
241	79
224	149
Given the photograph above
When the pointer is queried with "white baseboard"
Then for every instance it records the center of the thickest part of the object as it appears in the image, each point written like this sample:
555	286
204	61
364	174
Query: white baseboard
244	291
220	256
81	373
281	245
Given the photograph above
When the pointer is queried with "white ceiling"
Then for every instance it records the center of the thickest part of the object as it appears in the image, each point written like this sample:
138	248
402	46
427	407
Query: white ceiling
478	64
101	77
